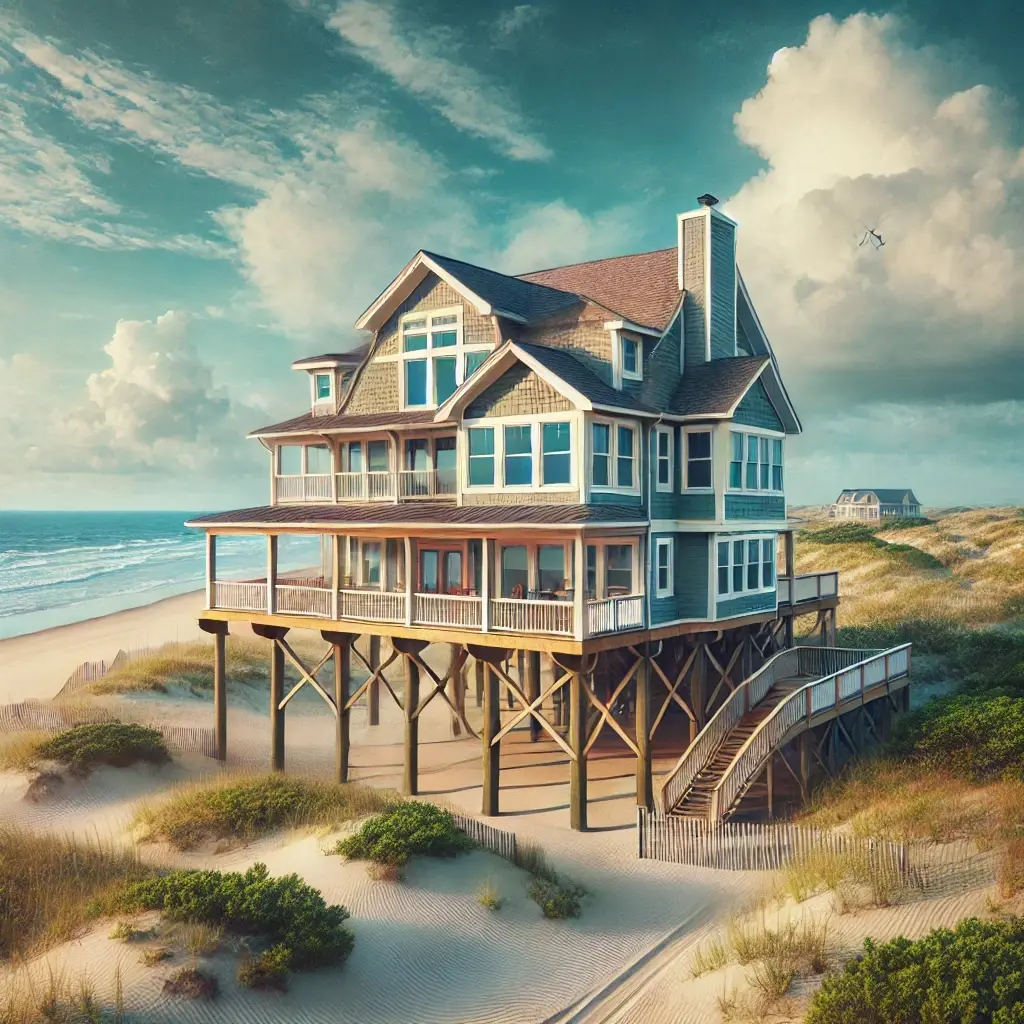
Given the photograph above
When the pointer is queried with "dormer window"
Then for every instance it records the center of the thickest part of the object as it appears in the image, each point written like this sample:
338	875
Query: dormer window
322	387
435	357
631	365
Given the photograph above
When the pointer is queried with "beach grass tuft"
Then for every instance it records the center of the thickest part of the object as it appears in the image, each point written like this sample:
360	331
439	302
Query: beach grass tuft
118	744
244	806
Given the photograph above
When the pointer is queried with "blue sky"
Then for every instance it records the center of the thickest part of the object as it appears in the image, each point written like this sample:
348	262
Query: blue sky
193	194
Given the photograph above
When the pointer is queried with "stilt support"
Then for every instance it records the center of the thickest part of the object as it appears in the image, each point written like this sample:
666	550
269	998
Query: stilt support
220	694
373	690
644	779
533	688
275	634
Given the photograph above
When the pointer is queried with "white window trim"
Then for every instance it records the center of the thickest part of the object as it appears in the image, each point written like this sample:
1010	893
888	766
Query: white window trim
656	459
458	351
330	394
639	373
613	454
532	561
536	437
600	582
669	544
686	461
771	435
730	538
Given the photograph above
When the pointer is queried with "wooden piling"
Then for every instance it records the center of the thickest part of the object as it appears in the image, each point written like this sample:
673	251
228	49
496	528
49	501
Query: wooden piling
410	782
342	688
578	741
644	779
276	711
533	689
491	749
373	690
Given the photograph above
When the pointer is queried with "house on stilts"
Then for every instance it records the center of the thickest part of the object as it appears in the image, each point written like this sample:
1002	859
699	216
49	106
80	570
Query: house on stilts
584	465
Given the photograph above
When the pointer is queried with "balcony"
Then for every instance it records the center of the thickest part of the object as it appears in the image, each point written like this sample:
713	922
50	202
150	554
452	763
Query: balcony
811	586
386	485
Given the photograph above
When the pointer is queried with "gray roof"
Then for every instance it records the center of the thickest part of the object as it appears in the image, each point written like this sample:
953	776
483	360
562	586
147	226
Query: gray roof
885	495
712	389
424	513
307	423
576	374
353	358
522	299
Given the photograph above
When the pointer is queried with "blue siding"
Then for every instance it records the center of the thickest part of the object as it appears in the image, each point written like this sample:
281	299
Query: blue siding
755	506
664	504
690	597
696	506
614	498
723	289
756	410
746	604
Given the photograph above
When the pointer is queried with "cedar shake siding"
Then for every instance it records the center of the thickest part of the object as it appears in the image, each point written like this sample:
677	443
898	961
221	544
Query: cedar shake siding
694	282
756	410
723	288
579	329
375	390
689	598
545	497
662	368
517	392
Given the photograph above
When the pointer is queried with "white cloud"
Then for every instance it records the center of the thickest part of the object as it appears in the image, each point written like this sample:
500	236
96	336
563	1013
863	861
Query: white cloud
510	24
427	63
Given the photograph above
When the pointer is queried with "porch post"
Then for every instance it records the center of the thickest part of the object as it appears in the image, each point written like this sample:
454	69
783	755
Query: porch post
274	456
644	778
478	668
410	575
220	696
806	742
410	782
492	750
335	574
271	573
533	689
211	570
579	586
787	539
342	687
487	554
334	474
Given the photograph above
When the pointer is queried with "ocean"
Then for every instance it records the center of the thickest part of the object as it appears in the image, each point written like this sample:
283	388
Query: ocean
62	567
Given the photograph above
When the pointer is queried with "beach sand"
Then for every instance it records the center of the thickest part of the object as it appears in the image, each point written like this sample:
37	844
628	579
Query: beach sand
35	666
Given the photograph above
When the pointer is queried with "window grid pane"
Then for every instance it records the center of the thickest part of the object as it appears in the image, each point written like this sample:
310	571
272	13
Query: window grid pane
518	456
601	440
624	472
416	382
415	342
556	448
444	339
444	379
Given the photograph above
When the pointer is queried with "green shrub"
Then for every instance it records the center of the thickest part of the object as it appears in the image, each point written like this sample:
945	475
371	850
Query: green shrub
111	743
556	899
284	910
979	737
407	829
246	807
269	970
973	973
906	522
842	533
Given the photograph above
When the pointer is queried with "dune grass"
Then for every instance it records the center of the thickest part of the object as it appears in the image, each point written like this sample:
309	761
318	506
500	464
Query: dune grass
52	886
59	999
243	807
186	664
19	751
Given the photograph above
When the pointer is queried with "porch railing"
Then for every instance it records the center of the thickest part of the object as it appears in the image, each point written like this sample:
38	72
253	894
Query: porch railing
238	596
426	483
614	614
810	586
304	487
516	616
303	600
448	610
371	605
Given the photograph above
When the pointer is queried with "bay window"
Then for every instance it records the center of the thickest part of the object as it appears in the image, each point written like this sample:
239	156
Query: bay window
755	462
435	357
518	455
535	454
745	565
699	460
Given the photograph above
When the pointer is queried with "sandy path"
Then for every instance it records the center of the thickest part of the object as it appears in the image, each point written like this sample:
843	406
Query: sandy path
38	664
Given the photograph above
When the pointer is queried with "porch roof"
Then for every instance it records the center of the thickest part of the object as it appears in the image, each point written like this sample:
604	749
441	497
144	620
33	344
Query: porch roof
415	514
308	423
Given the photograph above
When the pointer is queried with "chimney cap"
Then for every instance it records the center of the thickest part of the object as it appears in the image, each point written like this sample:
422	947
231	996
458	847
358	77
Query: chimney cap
707	199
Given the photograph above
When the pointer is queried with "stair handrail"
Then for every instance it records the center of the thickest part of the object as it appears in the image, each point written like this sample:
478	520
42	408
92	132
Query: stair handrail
700	752
804	702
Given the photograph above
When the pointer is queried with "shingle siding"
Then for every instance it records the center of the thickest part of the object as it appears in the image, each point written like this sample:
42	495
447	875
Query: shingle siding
696	506
470	497
614	498
755	506
664	503
517	392
690	592
694	304
756	410
747	604
662	369
723	288
580	329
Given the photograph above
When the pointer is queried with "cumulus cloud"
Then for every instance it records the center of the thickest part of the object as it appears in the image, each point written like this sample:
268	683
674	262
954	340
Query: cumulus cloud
425	62
154	408
511	24
858	131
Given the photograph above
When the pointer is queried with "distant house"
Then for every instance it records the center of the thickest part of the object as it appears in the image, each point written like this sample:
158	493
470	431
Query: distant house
879	503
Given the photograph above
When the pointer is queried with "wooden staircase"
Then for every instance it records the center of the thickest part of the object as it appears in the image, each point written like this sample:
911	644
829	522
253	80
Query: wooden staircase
696	802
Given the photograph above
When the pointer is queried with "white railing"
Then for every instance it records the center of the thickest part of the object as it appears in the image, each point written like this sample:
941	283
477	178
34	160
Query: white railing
426	483
614	614
303	600
351	486
379	485
447	610
828	693
371	605
811	586
240	597
304	487
703	749
511	615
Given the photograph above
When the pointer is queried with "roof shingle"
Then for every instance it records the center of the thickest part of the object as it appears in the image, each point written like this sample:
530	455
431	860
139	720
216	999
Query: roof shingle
308	423
712	389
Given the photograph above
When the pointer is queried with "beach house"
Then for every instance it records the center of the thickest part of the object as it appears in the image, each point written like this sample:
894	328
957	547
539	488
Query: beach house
585	464
876	503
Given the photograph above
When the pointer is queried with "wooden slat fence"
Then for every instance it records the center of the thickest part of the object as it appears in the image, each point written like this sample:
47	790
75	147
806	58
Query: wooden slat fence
87	672
47	717
494	839
189	738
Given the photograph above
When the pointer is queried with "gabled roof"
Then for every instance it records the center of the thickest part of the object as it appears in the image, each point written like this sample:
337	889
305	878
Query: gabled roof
643	287
417	513
556	366
885	495
715	389
310	424
353	358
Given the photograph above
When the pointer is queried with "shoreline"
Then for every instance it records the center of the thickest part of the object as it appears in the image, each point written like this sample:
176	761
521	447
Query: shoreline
36	665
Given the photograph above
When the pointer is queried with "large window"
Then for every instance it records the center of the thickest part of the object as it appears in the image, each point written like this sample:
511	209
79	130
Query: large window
481	456
755	462
614	455
537	454
618	572
602	446
663	566
377	460
745	565
612	570
556	448
698	459
435	358
318	459
519	455
663	459
625	457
